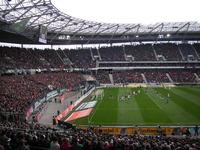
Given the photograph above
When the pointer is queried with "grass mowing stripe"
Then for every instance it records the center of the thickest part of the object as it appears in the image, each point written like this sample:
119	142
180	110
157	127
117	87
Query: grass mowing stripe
174	111
109	101
128	110
194	93
90	117
161	102
122	109
158	100
155	116
156	97
186	104
196	88
187	95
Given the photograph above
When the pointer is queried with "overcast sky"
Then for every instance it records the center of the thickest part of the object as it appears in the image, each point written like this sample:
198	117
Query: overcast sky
131	11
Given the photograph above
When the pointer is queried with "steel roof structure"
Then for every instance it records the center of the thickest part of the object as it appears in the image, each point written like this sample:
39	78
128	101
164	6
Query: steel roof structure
65	29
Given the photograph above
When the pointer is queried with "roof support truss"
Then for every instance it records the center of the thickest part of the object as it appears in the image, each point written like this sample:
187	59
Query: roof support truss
94	33
28	9
17	4
128	29
60	31
113	34
156	27
38	17
98	33
187	24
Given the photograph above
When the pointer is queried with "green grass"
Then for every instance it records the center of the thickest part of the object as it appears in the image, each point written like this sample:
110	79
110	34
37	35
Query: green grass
149	107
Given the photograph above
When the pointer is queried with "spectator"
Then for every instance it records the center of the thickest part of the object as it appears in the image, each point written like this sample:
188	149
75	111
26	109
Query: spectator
54	144
1	147
65	145
196	130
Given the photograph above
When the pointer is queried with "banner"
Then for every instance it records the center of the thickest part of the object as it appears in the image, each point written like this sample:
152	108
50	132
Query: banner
134	130
149	131
115	131
42	34
39	102
52	94
66	111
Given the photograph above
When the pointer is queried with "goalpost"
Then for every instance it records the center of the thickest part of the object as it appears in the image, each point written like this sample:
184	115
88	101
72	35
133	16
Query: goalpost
102	94
99	94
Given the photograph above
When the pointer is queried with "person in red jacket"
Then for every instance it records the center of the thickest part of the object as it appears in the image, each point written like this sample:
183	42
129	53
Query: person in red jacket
66	145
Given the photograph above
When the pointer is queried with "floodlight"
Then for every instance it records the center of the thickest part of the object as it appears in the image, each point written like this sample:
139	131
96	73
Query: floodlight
168	35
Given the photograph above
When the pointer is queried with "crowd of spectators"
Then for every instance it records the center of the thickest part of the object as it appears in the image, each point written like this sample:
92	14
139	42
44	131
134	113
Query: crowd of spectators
156	76
151	75
103	77
169	51
114	53
130	76
37	137
80	58
188	52
48	58
57	80
143	52
197	49
21	135
24	58
180	76
12	57
18	92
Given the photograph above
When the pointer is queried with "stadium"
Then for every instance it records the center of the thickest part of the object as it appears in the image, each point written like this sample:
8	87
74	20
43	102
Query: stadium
125	86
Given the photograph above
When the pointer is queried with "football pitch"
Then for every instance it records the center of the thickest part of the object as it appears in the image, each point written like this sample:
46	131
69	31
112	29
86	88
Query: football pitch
146	107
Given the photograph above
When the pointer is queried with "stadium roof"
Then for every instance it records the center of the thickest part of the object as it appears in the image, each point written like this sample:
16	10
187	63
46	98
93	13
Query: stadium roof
23	17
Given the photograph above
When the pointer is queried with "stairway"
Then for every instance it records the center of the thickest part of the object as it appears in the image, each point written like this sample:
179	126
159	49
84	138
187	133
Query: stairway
154	51
92	54
111	78
170	79
99	54
183	58
125	57
144	78
197	78
60	57
195	52
68	61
